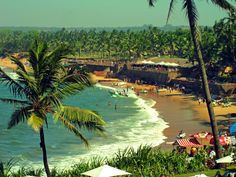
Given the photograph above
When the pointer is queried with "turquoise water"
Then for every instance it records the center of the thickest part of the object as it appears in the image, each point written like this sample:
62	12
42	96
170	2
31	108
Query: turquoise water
133	123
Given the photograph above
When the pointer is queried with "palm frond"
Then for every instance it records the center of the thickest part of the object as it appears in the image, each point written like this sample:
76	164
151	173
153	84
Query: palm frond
63	90
224	4
151	2
33	60
71	127
14	101
69	90
42	51
29	83
58	54
81	117
27	80
77	78
171	7
192	14
51	99
14	86
35	122
18	63
51	68
19	115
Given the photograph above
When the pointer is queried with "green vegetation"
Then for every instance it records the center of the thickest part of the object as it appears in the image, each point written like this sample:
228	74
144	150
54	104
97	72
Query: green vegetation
190	9
39	90
145	161
207	172
218	43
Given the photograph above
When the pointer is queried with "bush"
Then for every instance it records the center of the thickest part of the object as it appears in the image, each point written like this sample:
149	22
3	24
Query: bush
145	161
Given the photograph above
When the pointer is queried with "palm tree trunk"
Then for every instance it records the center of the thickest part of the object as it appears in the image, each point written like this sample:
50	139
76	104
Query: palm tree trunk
42	145
206	89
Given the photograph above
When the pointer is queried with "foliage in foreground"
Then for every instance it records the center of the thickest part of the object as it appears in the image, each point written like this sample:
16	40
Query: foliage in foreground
39	91
145	161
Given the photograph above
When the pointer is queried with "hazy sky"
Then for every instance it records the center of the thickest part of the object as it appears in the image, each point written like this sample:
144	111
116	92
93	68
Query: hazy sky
98	13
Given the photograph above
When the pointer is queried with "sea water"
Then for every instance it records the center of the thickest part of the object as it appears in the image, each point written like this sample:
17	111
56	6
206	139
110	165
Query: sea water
130	122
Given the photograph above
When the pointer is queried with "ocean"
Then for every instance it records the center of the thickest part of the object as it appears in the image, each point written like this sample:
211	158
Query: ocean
130	122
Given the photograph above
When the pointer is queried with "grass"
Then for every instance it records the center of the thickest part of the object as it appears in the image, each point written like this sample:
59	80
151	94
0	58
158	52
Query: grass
208	173
145	161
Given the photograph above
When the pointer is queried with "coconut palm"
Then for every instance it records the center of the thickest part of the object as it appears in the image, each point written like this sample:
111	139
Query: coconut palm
39	90
192	14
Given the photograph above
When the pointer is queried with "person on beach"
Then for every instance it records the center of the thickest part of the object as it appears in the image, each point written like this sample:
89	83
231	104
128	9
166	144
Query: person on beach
193	151
212	154
199	100
203	100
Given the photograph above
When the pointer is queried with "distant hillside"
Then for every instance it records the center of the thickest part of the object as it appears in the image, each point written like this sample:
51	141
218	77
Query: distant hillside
132	28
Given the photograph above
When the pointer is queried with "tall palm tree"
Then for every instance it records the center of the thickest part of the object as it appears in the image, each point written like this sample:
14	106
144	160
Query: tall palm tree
192	14
40	89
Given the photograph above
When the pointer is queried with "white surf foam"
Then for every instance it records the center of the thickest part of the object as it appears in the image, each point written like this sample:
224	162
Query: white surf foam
137	135
105	87
145	127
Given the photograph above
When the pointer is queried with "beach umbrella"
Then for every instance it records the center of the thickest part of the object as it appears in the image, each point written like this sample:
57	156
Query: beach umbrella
232	128
226	159
147	62
200	175
203	137
223	140
105	171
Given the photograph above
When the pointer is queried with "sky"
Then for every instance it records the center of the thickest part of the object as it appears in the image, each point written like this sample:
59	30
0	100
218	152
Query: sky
99	13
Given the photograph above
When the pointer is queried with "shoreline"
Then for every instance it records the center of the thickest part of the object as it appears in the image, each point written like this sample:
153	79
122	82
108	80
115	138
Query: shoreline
174	100
178	110
179	115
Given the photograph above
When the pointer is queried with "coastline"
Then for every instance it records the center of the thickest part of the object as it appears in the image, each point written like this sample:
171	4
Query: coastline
179	114
178	110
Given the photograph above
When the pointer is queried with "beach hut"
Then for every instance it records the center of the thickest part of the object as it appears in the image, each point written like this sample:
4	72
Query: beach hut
188	144
105	171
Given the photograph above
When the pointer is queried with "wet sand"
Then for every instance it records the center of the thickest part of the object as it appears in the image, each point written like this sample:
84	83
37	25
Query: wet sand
183	112
178	111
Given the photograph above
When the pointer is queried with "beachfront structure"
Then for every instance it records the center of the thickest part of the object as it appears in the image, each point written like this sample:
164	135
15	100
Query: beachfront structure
154	73
160	73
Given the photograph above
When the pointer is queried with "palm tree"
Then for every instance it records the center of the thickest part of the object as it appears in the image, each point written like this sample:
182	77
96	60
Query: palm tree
191	12
40	89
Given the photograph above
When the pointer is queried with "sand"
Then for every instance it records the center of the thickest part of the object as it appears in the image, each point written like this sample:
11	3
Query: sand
6	62
180	111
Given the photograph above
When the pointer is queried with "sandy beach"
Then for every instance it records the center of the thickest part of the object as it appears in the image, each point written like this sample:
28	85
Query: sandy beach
180	111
